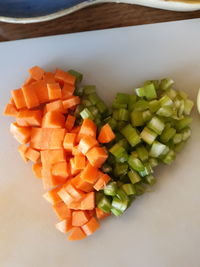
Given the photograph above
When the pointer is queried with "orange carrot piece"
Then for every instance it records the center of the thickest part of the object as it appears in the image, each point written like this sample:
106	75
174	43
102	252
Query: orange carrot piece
106	134
29	117
88	127
82	185
88	202
22	151
18	98
41	138
71	102
49	77
86	143
64	226
30	96
90	227
89	174
40	89
57	138
62	211
69	141
102	181
75	193
74	205
36	73
51	157
54	91
53	119
79	162
49	181
33	155
29	80
97	156
69	124
101	214
76	234
67	91
79	218
37	170
10	110
76	151
76	129
61	169
65	77
21	134
73	170
52	197
65	196
55	106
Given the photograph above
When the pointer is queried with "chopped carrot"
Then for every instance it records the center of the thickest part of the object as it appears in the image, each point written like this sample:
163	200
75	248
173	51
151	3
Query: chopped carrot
76	234
89	174
88	202
53	119
106	134
88	127
76	151
76	129
65	77
54	91
40	89
49	77
71	102
75	193
62	211
57	138
97	156
22	151
33	155
30	96
79	218
73	170
86	143
52	197
18	98
64	226
90	227
65	196
67	91
79	162
29	80
29	117
21	134
37	170
69	141
101	214
102	181
10	110
49	181
74	205
51	157
36	73
61	169
81	184
55	106
69	124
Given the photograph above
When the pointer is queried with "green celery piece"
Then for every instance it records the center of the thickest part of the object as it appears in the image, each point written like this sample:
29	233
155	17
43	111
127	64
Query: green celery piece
134	176
116	105
157	149
169	158
119	152
165	111
79	91
150	91
94	98
106	168
150	179
140	91
115	114
142	153
129	189
89	89
123	114
166	83
121	194
98	196
140	189
156	124
153	162
188	105
141	105
121	169
137	118
134	154
113	123
86	102
166	101
131	135
132	101
183	94
171	93
110	189
124	143
121	125
164	153
116	212
78	75
154	105
181	124
104	204
93	110
147	115
147	170
119	204
177	138
86	114
178	147
101	107
186	133
148	135
136	164
122	98
167	134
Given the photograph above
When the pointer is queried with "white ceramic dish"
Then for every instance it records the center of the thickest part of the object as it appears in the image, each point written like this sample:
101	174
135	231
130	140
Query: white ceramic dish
162	228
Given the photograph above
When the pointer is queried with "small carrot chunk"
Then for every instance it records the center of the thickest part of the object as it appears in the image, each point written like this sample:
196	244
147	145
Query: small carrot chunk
33	155
101	214
71	102
53	119
29	117
36	73
90	227
65	196
86	143
101	182
30	96
88	127
79	162
54	91
88	202
69	141
76	151
81	184
67	91
37	170
106	134
64	226
65	77
75	193
49	77
49	181
76	234
10	110
22	151
97	156
62	211
69	124
52	197
55	106
21	134
89	174
79	218
56	139
18	98
61	169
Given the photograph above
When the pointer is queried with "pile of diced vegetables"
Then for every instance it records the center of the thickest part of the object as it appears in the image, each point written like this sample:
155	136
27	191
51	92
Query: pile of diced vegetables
94	160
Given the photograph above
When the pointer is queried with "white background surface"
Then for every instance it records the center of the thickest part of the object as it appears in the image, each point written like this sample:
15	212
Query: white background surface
162	228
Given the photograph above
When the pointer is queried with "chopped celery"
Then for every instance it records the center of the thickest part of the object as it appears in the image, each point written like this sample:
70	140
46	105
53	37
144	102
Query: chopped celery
94	98
121	194
123	114
142	153
112	122
131	102
78	75
129	189
177	138
154	105
117	150
165	111
166	83
131	135
89	89
153	162
181	124
147	170
106	168
86	102
101	107
166	101
122	98
140	189
178	147
186	133
116	212
148	135
169	158
104	204
150	91
93	110
140	91
110	189
86	114
188	105
141	105
146	115
157	149
171	93
136	164
167	134
150	179
116	105
183	95
137	118
119	204
156	124
124	143
121	169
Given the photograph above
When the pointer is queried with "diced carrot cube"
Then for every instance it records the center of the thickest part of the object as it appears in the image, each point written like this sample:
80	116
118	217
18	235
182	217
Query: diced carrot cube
67	91
53	119
71	102
57	138
65	77
75	193
90	227
69	141
88	202
69	124
76	234
61	169
32	154
65	196
29	117
22	151
79	162
101	214
106	134
36	72
101	182
37	170
18	98
62	211
81	184
79	218
21	134
52	197
49	77
97	156
55	106
54	91
89	174
86	143
88	127
10	110
64	226
30	96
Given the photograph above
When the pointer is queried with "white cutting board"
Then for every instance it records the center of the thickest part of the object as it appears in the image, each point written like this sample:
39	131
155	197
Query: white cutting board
162	228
